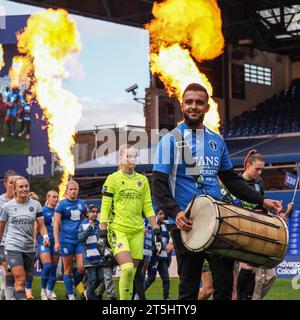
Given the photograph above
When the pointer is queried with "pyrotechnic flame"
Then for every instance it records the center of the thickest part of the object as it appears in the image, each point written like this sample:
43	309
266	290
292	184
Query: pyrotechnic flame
2	64
21	71
182	29
48	39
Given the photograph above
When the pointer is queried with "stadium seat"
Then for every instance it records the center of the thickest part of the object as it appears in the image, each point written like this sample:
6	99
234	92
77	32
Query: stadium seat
278	114
294	246
295	235
293	230
294	240
294	251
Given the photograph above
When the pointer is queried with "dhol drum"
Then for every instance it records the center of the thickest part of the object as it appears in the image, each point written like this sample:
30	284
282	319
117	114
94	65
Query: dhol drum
227	230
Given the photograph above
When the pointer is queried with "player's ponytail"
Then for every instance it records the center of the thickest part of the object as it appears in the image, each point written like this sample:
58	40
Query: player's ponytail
251	157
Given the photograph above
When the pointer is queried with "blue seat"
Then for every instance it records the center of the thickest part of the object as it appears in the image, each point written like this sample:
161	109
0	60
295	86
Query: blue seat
294	230
295	224
294	240
295	236
294	219
294	246
294	251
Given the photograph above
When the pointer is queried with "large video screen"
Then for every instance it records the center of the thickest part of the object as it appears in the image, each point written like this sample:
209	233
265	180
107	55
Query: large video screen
23	135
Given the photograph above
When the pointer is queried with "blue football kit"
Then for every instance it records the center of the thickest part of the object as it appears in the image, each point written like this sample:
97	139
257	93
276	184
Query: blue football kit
72	214
48	214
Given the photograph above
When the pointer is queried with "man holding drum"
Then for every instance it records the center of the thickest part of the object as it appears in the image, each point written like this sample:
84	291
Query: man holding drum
175	182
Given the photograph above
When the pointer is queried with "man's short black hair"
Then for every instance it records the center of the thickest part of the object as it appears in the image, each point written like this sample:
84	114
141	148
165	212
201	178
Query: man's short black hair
195	87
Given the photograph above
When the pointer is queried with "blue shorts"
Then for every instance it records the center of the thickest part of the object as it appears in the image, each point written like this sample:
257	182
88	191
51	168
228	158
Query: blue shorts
47	249
70	249
12	112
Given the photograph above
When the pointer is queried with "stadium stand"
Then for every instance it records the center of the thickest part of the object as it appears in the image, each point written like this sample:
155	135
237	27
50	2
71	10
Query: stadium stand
279	114
294	232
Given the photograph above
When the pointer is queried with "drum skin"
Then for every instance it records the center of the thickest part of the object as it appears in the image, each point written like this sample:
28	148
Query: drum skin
238	233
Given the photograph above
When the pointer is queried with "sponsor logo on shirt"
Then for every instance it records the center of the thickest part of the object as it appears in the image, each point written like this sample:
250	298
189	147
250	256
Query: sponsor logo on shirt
75	215
105	189
130	194
21	220
208	161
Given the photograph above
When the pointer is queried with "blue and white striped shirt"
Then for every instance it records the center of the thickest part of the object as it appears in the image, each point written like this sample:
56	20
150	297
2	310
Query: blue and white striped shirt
149	245
88	236
165	240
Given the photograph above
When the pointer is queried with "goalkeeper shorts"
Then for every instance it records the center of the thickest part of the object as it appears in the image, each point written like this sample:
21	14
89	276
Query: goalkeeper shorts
121	242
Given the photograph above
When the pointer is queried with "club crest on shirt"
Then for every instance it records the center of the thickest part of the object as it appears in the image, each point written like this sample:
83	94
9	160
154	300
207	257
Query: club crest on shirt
213	145
257	188
79	206
31	209
119	245
140	184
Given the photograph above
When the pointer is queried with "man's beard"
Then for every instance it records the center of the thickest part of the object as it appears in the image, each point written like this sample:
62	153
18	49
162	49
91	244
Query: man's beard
194	123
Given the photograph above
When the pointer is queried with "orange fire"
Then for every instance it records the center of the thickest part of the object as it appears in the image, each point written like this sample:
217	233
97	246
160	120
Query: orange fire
48	39
21	71
2	64
183	29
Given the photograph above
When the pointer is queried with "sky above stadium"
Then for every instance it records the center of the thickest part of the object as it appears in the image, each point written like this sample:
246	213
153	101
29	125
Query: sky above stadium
113	57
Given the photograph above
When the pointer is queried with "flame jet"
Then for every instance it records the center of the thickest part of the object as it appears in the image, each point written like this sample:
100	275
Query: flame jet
180	31
48	39
21	71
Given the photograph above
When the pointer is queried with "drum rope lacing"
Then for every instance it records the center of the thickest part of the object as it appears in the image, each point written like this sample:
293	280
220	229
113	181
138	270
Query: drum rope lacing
236	215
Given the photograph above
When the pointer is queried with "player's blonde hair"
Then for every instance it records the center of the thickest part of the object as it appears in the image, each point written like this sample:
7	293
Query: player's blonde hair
34	196
8	174
48	196
125	147
71	182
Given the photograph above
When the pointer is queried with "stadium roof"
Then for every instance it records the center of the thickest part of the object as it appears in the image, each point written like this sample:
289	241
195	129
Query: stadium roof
271	25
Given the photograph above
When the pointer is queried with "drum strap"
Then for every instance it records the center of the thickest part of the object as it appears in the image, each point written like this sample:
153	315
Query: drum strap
186	155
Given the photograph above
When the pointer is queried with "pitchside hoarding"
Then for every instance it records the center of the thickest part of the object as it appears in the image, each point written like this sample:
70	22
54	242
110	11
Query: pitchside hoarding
289	267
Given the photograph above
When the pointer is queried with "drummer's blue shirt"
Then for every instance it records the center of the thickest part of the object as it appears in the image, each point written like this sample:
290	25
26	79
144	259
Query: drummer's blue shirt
211	155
